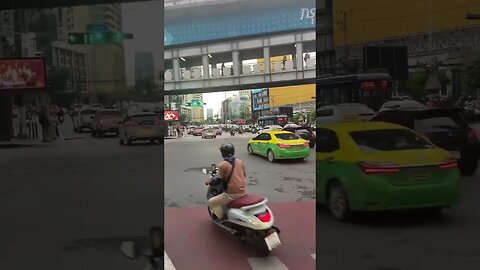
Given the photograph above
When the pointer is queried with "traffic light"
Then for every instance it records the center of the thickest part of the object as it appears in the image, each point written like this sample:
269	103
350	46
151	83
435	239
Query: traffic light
78	38
195	103
98	37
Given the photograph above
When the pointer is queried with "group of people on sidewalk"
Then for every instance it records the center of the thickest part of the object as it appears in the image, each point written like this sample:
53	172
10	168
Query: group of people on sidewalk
49	121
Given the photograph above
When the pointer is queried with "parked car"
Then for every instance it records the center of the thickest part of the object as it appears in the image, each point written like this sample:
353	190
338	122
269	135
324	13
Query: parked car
277	144
345	112
106	121
445	127
83	120
377	166
305	133
141	127
209	133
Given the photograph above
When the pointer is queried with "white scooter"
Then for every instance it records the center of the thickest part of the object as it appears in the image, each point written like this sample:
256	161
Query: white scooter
248	217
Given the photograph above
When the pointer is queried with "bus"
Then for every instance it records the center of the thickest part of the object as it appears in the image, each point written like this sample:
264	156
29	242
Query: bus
371	89
280	120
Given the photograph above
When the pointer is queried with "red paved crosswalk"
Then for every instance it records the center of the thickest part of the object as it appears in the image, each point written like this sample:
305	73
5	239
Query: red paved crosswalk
193	242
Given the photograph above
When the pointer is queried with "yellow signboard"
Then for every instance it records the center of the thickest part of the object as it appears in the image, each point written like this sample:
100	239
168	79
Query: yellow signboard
281	96
274	59
373	20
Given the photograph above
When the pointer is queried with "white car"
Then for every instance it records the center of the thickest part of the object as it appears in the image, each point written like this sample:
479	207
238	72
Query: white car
346	112
402	105
269	128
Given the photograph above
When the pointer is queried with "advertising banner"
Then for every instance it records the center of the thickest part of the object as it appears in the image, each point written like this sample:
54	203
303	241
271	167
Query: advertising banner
171	116
23	74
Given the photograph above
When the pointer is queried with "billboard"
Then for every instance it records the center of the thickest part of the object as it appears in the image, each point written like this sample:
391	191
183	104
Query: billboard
376	20
234	20
171	115
22	74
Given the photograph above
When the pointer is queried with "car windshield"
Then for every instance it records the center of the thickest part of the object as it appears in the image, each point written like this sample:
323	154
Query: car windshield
85	112
287	136
389	140
438	124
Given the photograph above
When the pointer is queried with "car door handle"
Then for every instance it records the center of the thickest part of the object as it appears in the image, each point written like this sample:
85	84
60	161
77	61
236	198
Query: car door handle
330	159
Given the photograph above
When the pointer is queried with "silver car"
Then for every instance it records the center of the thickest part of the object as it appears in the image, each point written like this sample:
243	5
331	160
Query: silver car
141	127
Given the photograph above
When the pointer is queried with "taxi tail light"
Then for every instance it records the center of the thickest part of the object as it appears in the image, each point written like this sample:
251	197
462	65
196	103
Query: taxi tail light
282	145
264	217
306	144
379	168
448	164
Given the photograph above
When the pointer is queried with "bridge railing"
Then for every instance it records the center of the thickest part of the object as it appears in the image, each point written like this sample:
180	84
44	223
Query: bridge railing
196	73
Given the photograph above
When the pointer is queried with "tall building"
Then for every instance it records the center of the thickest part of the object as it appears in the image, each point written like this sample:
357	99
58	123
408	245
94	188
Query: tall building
144	71
105	62
210	114
260	102
197	114
7	32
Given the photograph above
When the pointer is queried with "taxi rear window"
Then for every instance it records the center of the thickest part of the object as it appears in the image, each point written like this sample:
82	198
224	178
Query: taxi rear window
389	140
287	136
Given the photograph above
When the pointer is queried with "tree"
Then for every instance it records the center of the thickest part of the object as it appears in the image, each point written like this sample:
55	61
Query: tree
472	76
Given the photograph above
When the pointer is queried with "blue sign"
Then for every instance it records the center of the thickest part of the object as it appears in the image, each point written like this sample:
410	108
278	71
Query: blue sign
254	22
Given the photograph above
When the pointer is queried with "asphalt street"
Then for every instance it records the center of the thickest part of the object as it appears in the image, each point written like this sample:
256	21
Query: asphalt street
405	241
280	181
288	185
68	205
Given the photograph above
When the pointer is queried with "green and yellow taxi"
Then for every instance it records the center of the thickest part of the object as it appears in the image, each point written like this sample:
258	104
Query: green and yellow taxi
277	144
373	166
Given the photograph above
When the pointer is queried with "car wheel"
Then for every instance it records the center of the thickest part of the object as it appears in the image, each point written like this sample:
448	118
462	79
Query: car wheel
93	133
338	202
214	137
120	141
468	168
249	149
270	156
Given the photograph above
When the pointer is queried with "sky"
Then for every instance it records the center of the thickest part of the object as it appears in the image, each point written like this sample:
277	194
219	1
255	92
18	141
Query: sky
145	21
214	101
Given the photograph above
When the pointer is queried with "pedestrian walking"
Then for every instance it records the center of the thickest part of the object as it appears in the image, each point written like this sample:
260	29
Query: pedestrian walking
44	123
60	114
178	132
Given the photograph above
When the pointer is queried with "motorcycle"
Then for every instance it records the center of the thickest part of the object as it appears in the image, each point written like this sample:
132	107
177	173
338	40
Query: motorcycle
232	132
154	253
248	217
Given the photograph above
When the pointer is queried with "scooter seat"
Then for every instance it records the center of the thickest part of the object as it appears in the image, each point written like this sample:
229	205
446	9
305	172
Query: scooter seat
245	200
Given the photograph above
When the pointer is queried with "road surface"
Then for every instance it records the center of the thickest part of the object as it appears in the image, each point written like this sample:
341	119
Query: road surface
68	205
288	185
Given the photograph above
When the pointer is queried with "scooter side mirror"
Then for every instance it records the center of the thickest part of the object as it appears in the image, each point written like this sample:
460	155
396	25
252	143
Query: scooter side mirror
129	249
205	171
214	167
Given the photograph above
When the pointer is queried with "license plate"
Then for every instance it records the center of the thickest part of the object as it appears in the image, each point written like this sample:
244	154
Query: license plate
419	174
273	241
455	154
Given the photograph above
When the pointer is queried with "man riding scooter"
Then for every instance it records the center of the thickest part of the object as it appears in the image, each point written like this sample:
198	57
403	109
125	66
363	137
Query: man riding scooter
231	173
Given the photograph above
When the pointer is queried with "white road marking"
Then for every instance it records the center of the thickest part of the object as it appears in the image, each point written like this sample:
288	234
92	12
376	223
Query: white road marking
314	256
268	263
168	263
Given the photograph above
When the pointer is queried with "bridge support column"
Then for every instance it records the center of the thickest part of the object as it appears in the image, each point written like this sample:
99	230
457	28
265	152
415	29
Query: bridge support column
266	58
206	66
236	63
176	69
299	56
